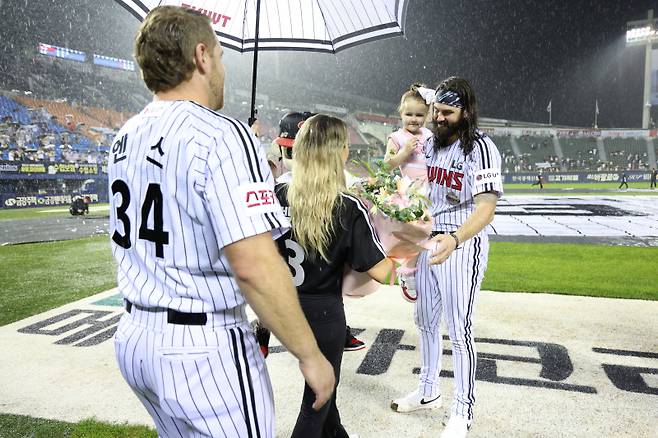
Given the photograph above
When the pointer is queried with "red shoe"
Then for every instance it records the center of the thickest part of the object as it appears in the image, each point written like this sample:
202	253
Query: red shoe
263	338
408	292
352	343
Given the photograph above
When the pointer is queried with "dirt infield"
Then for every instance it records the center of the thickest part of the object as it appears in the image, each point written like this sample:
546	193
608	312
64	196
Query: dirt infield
548	366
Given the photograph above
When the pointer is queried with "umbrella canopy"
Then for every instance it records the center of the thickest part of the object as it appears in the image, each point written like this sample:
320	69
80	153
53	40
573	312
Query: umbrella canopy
303	25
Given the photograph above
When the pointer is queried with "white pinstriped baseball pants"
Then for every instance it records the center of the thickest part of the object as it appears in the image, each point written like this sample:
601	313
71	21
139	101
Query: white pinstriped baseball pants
196	381
450	291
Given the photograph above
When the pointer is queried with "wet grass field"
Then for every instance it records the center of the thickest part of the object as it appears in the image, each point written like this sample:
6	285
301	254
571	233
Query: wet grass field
41	276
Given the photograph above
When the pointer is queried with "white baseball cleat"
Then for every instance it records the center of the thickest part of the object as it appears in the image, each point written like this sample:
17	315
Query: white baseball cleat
414	402
457	427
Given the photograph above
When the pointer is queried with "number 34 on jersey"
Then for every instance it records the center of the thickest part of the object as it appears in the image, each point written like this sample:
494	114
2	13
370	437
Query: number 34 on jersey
151	205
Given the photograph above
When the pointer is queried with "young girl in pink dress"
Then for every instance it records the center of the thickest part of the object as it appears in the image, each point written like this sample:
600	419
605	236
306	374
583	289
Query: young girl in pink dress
405	150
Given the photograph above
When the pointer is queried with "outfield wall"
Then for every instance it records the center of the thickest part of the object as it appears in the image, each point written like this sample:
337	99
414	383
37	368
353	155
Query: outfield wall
576	177
50	170
61	181
11	172
44	200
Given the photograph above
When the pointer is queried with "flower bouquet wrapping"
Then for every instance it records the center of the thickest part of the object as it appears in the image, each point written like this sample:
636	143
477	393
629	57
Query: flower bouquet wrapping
398	211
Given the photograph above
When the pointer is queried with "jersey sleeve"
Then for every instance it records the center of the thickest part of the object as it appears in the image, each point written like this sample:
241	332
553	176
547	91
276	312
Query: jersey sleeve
365	248
485	171
239	188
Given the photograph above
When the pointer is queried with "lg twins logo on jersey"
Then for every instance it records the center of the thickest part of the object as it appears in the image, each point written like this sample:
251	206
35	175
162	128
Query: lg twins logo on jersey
448	178
258	198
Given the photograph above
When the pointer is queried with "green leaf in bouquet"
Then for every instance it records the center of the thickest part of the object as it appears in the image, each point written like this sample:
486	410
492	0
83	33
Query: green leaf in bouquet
385	168
366	166
382	186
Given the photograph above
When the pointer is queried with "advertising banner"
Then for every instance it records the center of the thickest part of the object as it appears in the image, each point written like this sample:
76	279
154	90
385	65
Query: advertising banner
49	170
39	200
575	177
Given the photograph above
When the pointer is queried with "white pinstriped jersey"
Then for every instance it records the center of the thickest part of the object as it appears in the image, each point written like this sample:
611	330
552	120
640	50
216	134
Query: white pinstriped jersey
455	179
185	182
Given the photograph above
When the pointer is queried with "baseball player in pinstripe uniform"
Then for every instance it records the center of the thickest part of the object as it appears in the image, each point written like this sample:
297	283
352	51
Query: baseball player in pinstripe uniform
465	184
193	216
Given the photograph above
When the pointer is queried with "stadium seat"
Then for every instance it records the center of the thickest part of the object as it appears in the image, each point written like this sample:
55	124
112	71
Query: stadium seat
580	153
627	153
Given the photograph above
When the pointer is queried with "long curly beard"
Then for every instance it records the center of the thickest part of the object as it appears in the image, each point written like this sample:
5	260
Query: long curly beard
443	132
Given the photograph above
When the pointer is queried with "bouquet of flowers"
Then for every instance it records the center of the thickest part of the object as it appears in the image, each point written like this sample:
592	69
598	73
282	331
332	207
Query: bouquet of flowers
398	208
399	198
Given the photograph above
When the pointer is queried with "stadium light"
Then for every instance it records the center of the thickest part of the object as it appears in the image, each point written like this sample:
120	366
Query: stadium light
641	35
643	32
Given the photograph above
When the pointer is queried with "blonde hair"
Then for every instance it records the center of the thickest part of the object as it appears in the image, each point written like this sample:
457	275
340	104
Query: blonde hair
165	45
412	93
317	182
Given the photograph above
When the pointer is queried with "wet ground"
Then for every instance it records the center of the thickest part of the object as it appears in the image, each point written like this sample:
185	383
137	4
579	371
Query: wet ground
627	220
609	241
51	228
606	220
548	366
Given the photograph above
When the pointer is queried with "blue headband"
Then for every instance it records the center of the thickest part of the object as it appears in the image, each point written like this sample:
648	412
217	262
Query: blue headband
448	97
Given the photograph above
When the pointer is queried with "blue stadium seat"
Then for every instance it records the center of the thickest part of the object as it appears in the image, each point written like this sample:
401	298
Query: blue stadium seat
19	114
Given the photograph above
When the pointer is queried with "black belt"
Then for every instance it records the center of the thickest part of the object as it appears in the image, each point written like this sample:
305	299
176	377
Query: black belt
434	233
176	317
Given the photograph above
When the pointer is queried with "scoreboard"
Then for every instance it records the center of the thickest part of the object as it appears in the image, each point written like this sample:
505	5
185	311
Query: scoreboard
61	52
80	56
118	63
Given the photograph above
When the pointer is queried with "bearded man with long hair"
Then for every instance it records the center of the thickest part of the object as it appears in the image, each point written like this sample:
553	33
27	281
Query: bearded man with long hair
463	169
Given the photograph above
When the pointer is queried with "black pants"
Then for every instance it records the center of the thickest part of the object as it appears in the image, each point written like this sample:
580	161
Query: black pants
653	184
326	316
624	183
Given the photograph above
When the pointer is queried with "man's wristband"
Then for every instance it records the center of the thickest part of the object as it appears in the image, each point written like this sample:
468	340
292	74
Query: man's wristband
454	236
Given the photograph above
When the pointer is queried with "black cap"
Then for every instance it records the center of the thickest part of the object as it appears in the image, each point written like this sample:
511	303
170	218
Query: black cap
289	127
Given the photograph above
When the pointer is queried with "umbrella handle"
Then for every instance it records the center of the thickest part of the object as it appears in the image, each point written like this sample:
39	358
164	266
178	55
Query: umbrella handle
254	73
